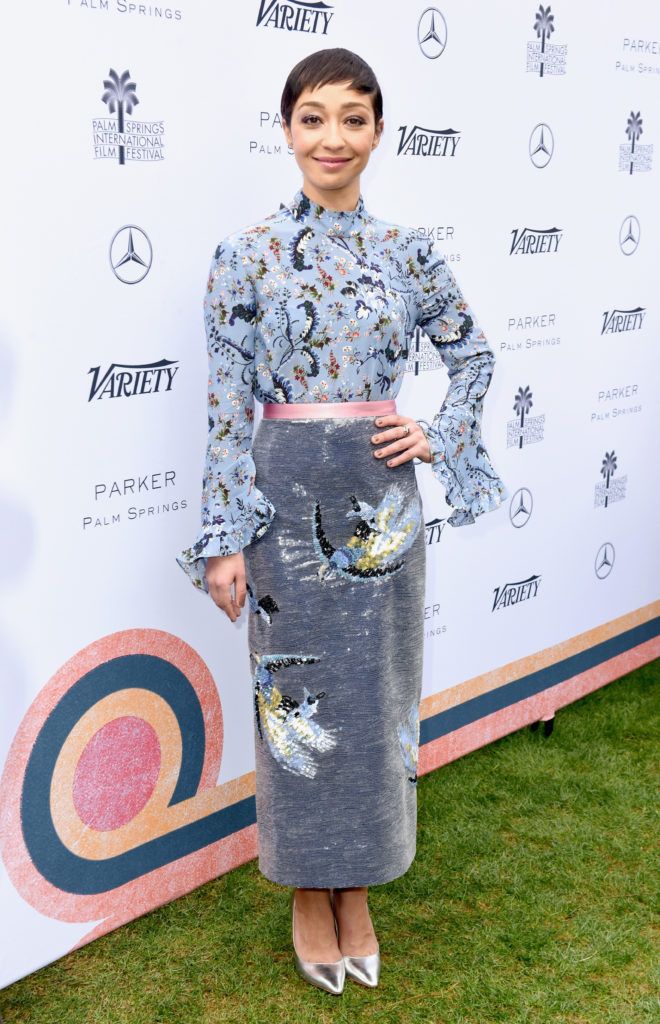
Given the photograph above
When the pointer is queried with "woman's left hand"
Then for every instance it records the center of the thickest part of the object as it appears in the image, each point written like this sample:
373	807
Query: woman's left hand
402	447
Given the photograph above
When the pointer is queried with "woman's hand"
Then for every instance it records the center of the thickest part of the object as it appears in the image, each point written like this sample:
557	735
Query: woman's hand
403	447
221	572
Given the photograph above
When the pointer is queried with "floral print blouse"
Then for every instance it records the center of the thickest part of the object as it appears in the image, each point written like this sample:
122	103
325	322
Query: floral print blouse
319	305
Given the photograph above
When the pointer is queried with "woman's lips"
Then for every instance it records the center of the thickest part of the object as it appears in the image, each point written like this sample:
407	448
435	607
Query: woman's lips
328	162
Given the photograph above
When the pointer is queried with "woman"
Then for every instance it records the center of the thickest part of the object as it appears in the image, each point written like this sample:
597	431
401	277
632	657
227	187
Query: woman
311	310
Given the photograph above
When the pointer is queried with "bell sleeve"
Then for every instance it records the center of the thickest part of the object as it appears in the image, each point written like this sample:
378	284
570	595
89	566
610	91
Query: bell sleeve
234	512
460	460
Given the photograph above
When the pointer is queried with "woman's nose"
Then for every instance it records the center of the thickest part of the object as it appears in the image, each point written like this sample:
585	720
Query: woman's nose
333	136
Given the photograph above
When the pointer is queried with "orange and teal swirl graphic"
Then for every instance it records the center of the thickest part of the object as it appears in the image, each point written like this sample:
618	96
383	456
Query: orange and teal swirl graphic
109	800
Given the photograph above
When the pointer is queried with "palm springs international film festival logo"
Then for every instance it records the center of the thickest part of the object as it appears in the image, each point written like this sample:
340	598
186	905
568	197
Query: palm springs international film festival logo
295	16
544	57
526	429
610	488
422	354
432	33
125	380
631	156
119	138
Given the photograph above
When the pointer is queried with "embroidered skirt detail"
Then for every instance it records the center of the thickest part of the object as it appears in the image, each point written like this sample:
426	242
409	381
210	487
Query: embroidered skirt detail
335	631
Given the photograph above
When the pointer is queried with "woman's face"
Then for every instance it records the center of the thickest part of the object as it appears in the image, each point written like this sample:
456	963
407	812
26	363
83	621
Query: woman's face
332	134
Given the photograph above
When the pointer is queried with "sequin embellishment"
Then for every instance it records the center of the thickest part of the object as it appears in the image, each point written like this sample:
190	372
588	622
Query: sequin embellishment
264	606
287	724
381	537
408	733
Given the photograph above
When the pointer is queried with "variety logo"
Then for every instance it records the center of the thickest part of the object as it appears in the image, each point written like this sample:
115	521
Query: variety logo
125	380
604	562
532	241
130	254
629	235
520	507
607	410
418	141
633	157
295	16
434	530
544	57
541	146
432	33
611	488
526	429
616	321
121	139
516	593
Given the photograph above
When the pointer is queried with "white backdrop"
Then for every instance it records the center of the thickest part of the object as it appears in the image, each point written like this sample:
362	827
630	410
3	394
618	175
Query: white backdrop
550	219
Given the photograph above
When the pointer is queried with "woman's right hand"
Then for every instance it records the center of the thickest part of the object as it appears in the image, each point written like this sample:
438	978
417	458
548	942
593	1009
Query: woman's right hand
221	572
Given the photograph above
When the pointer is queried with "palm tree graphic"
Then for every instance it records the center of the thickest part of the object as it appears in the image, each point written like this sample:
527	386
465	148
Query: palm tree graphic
607	470
522	403
633	131
120	95
544	27
416	356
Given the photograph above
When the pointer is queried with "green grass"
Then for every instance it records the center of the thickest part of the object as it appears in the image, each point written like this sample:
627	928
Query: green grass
533	898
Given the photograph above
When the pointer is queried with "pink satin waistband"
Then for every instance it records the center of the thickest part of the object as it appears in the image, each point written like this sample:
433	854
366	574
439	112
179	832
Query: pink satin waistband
316	410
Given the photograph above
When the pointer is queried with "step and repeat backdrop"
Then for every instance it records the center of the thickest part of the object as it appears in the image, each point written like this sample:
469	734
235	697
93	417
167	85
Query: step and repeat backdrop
525	140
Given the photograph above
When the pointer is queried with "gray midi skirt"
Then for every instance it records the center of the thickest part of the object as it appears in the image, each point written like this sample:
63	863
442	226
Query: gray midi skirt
336	590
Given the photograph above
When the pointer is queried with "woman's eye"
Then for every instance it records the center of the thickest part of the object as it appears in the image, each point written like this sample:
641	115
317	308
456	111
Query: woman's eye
356	121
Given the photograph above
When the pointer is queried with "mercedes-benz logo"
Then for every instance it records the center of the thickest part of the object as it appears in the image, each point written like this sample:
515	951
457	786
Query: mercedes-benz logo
629	235
130	254
541	145
520	507
604	562
432	33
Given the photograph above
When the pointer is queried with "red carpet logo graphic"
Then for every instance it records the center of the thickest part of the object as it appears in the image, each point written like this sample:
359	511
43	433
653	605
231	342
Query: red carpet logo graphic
109	805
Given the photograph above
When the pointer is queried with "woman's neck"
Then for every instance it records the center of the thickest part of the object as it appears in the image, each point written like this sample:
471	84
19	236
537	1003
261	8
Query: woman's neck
338	199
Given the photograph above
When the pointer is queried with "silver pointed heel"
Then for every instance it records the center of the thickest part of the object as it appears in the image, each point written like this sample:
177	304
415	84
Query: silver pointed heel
363	969
329	975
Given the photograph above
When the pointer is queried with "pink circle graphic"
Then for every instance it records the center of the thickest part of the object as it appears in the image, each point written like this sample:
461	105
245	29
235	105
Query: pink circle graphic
117	773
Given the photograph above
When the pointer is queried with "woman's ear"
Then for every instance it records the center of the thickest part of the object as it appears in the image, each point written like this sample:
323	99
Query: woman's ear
379	132
287	132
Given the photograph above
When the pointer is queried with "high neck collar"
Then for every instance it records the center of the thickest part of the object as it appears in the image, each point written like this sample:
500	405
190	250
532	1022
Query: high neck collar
334	222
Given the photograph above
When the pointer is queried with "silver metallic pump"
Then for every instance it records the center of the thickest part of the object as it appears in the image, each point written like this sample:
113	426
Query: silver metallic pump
363	969
328	975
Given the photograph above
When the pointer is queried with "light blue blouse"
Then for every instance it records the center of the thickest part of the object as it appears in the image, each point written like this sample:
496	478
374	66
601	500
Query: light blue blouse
319	305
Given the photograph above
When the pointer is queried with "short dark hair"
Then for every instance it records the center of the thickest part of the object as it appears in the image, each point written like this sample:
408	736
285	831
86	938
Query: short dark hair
334	64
